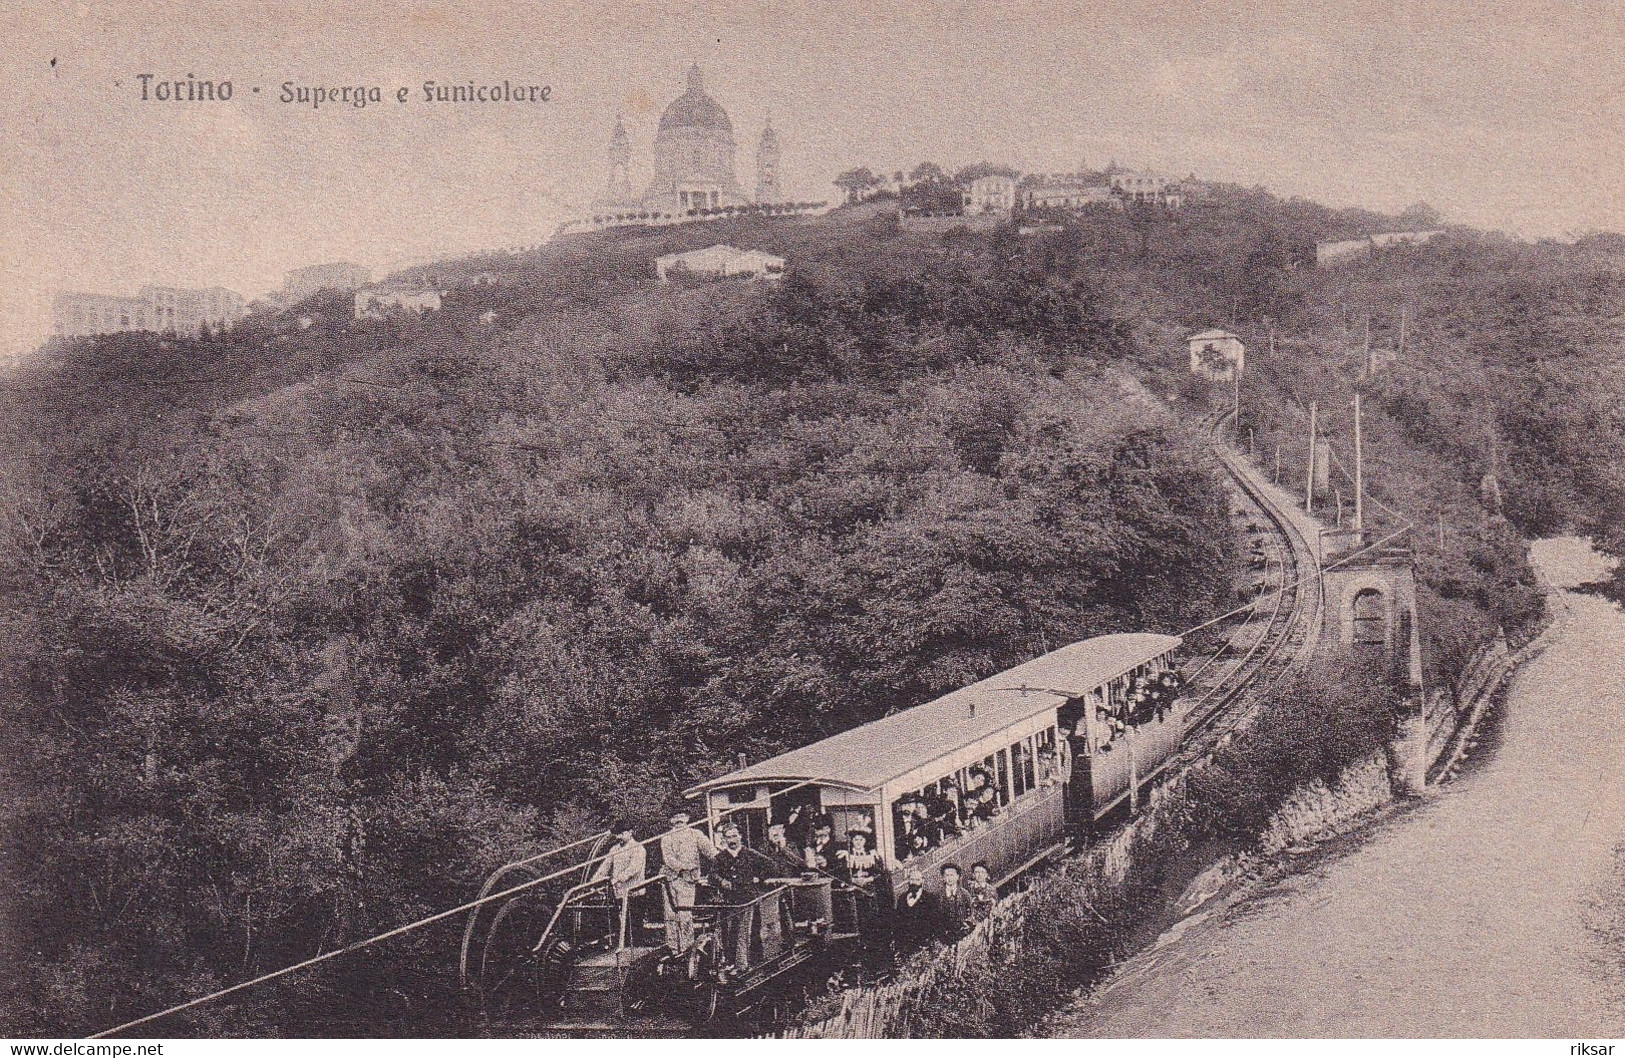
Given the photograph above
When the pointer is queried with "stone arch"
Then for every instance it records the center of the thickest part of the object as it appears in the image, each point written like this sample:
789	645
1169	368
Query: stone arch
1371	612
1374	595
1370	637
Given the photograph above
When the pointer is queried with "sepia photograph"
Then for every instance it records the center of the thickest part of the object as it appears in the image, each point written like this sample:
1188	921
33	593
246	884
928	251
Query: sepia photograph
710	520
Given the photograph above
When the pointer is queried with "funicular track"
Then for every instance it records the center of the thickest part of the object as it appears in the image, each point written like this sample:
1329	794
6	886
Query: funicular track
1261	644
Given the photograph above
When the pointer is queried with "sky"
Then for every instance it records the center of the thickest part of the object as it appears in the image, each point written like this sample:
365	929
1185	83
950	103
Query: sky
1507	116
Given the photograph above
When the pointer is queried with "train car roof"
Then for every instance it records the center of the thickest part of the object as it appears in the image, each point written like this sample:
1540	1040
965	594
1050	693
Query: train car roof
866	757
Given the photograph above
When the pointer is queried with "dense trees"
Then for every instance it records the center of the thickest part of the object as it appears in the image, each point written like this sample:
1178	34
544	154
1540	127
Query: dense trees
854	182
307	628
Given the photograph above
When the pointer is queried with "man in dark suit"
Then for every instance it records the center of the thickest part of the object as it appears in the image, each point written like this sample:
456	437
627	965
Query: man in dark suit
916	915
777	860
733	875
956	905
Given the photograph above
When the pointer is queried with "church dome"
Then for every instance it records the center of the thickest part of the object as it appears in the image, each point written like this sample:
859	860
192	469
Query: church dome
694	109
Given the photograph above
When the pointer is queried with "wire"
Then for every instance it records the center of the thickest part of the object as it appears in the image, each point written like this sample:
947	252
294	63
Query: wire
334	954
419	923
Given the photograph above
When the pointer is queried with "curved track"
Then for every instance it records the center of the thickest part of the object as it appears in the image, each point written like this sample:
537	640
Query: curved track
1266	641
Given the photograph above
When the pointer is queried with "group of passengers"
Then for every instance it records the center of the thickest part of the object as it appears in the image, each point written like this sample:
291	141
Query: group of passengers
735	878
729	875
920	916
938	814
930	818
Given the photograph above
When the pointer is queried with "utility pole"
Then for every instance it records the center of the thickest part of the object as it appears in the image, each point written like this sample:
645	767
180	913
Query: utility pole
1309	483
1237	373
1249	440
1441	532
1339	494
1359	471
1277	478
1368	346
1404	313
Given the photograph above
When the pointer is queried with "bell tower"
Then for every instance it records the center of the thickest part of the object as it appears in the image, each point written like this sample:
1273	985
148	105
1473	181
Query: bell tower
767	166
619	188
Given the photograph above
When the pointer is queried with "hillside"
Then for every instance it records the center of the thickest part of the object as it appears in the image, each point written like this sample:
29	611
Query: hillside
310	625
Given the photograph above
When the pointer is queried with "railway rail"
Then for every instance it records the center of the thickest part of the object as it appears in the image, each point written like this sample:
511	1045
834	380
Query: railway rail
1280	630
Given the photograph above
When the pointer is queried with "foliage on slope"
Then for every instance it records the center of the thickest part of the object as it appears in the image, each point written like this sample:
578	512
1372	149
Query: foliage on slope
310	626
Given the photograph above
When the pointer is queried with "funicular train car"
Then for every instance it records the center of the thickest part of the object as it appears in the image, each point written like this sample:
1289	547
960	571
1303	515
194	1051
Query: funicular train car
1006	772
980	775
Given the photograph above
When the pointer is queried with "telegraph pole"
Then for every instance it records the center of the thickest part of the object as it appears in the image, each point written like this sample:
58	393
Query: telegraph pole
1359	471
1403	320
1237	374
1277	478
1309	484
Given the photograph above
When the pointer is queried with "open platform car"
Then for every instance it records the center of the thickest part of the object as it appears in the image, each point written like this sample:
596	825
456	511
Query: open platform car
1007	771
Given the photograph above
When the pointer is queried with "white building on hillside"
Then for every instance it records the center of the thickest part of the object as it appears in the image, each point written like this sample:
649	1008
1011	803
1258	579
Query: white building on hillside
1216	355
1147	187
1066	192
1343	250
720	262
161	310
991	194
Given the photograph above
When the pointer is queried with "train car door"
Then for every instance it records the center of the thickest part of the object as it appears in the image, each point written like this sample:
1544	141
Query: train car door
1075	717
796	808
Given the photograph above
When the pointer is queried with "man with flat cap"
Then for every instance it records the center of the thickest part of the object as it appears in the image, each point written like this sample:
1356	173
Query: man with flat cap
623	867
684	851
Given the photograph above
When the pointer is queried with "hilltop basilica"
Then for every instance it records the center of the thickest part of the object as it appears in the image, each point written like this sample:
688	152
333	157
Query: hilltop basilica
693	160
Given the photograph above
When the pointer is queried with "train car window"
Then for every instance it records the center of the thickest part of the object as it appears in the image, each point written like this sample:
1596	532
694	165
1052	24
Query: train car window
1021	766
1004	778
752	823
850	819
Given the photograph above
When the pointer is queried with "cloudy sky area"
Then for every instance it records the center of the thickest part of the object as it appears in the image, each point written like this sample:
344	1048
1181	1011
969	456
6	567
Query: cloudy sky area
1506	117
